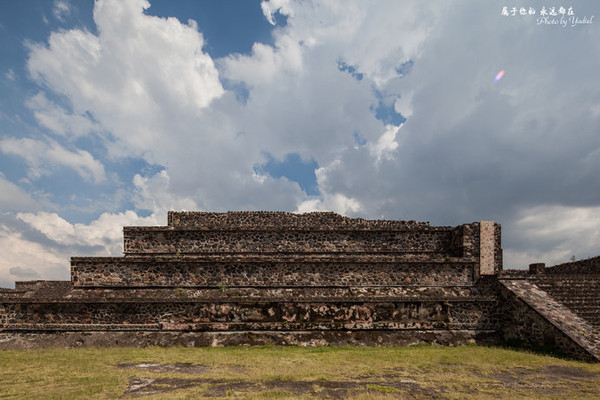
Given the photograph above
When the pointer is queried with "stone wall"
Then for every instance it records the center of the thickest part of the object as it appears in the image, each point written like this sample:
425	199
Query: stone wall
467	236
284	309
244	315
587	266
270	277
278	232
143	338
535	318
302	272
159	240
269	220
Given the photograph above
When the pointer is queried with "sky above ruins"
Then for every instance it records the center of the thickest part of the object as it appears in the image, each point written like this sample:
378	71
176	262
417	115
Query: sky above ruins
113	112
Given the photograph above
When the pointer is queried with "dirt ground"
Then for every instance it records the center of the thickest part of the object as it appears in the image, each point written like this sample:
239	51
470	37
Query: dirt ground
554	380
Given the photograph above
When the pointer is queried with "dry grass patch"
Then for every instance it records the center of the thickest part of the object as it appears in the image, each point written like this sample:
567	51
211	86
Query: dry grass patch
418	372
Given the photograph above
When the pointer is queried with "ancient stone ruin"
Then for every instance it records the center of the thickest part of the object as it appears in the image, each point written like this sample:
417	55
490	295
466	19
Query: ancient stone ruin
248	278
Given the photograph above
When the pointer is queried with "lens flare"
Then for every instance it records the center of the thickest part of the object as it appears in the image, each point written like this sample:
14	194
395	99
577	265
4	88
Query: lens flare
499	76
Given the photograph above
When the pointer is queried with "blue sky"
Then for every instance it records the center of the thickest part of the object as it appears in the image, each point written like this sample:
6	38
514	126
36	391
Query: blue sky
113	112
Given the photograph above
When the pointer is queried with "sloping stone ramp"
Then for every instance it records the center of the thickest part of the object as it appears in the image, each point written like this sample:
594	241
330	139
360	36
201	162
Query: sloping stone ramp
543	320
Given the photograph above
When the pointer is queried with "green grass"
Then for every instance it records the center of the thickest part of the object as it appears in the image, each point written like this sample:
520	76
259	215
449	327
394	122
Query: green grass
273	372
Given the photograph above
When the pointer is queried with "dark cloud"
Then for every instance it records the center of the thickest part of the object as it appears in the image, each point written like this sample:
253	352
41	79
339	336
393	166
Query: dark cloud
20	272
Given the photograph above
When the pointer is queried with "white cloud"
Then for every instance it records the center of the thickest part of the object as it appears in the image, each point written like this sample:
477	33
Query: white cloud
106	232
138	74
386	143
13	198
10	75
153	193
61	9
27	256
20	254
330	200
376	36
43	157
58	120
270	8
266	63
470	149
336	202
403	105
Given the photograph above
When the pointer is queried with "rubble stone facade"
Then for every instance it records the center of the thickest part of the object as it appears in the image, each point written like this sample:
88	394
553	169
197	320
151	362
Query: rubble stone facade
273	277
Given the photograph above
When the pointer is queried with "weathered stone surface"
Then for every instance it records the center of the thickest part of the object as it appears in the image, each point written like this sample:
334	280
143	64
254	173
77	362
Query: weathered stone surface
252	278
269	220
300	273
259	315
538	319
586	266
159	240
244	338
487	246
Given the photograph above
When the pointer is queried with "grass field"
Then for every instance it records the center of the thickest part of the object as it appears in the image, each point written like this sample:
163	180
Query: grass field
418	372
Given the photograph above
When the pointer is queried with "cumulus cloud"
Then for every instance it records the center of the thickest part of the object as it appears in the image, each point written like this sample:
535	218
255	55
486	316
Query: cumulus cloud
147	81
270	8
58	120
20	255
45	156
136	75
105	233
470	149
560	231
336	202
153	193
39	245
386	143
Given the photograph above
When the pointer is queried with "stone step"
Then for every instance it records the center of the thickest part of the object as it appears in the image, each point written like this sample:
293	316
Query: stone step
260	300
244	326
560	324
576	284
590	318
588	310
251	313
78	327
574	297
247	294
576	301
571	292
12	340
177	273
581	300
166	240
572	287
584	290
568	279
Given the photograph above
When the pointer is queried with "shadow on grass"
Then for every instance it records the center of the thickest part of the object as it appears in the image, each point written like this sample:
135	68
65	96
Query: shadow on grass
543	350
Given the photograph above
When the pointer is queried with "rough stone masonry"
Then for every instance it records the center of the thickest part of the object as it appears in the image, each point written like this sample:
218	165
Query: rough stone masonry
247	278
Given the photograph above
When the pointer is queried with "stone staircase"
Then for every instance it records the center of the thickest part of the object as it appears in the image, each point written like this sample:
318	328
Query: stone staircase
541	320
265	277
255	278
575	284
580	293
